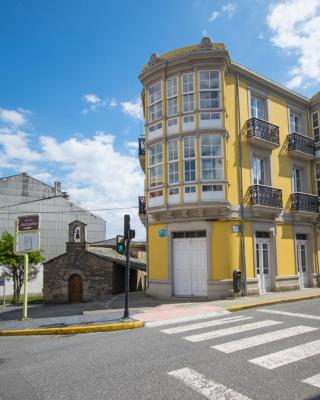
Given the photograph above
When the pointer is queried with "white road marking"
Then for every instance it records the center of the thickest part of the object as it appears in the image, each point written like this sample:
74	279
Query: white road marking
188	318
206	324
231	331
246	343
207	387
287	356
290	314
313	380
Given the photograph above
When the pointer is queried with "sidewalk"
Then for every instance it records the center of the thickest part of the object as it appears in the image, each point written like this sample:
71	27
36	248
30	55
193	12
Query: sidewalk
103	316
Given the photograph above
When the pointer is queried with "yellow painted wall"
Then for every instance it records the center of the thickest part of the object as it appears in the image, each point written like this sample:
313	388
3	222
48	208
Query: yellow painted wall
157	253
225	250
232	151
285	250
249	250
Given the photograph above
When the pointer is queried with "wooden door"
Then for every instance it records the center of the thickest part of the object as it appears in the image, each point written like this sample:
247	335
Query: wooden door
75	289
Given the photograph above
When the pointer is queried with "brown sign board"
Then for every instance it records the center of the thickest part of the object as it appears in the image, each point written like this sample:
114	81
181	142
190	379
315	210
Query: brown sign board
28	223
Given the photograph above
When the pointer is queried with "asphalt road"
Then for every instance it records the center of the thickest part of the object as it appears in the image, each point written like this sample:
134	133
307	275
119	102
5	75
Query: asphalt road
136	364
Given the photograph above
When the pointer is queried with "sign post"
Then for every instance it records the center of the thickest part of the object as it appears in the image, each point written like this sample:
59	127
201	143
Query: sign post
27	240
25	283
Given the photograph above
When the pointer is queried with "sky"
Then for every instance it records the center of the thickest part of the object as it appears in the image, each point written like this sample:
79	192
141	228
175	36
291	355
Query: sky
69	88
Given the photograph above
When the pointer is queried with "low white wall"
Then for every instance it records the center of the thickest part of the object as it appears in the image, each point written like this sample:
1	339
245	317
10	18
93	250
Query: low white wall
34	287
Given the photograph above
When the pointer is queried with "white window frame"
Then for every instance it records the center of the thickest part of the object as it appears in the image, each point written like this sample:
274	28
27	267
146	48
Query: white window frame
191	196
213	194
257	98
314	127
212	157
317	177
188	125
303	176
172	96
209	90
299	116
155	102
187	159
171	161
260	94
186	93
155	165
268	171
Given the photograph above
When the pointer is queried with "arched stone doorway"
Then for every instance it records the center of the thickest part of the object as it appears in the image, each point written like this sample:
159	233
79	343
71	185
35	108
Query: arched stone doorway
75	289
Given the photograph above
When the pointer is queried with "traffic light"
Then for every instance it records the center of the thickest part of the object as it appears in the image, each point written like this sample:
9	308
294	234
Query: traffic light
120	244
126	229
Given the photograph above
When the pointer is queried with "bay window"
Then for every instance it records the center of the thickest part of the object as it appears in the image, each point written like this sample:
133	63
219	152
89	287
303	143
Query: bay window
189	158
172	96
155	165
316	126
209	89
173	162
211	152
187	92
155	102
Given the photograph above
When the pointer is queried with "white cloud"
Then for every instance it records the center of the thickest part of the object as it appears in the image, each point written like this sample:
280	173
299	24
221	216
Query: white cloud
133	147
16	146
12	117
214	16
92	98
113	103
295	26
229	8
133	109
261	36
205	33
92	170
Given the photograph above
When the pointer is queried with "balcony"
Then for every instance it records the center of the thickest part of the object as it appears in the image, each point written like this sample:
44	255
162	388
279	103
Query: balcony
263	133
265	197
142	152
304	202
142	209
301	146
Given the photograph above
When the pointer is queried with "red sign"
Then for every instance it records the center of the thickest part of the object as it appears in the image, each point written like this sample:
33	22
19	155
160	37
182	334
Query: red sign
28	223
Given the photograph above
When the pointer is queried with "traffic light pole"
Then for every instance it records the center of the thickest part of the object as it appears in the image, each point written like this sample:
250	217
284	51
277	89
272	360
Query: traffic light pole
127	280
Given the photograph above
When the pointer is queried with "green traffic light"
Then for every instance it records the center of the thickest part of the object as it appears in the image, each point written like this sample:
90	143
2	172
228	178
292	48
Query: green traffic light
120	248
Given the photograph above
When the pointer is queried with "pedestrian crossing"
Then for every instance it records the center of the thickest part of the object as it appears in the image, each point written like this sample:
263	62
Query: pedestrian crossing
207	387
226	326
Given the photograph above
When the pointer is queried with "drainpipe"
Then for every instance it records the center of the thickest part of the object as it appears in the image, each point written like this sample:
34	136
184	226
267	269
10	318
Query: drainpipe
242	237
315	233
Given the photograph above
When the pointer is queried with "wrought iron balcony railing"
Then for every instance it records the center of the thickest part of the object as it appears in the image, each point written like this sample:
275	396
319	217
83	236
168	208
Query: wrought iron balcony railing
142	146
265	196
303	144
142	205
304	202
257	128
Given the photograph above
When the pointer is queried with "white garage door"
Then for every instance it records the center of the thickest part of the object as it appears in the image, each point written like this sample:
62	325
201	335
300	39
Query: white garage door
190	266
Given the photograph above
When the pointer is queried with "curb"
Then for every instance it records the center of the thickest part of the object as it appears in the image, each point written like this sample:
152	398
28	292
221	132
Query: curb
271	302
73	330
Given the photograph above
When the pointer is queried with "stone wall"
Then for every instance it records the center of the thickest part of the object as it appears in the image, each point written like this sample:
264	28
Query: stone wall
96	273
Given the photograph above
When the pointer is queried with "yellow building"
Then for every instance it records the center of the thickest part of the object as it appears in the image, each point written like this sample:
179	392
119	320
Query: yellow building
231	177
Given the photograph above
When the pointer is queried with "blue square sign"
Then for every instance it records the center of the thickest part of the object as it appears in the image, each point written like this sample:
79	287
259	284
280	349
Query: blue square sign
162	233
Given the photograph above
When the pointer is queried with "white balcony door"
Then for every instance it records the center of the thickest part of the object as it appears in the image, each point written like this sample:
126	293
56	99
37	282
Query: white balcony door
263	264
258	171
190	267
302	259
297	180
